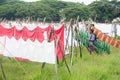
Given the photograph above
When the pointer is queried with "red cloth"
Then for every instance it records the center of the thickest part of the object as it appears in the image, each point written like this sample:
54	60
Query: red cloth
37	34
60	45
60	48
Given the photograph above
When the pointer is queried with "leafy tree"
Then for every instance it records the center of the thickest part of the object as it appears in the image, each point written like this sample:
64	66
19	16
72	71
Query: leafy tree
103	10
75	12
54	10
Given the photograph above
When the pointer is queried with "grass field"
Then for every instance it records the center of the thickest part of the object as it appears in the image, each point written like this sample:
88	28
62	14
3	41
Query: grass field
89	67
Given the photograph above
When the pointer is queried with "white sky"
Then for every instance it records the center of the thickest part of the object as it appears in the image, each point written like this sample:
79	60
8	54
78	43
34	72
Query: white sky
85	1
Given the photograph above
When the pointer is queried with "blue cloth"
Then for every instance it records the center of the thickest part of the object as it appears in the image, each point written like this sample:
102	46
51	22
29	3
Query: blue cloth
92	37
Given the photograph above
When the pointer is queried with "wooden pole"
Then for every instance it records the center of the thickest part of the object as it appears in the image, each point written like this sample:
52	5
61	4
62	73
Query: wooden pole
3	74
76	37
67	38
56	69
71	53
58	45
77	32
64	58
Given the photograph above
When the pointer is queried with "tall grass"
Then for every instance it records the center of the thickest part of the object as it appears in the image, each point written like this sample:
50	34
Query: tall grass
89	67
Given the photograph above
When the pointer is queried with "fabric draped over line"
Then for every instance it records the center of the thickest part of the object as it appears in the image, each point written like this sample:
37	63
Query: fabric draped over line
36	34
24	33
106	38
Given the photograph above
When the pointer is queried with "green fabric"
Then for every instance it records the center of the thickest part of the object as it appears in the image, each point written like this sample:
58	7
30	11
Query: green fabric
100	45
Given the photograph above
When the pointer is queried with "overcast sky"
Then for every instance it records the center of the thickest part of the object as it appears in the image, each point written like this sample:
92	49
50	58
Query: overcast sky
85	1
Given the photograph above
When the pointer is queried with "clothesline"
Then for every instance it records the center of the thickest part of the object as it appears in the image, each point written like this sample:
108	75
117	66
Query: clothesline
29	24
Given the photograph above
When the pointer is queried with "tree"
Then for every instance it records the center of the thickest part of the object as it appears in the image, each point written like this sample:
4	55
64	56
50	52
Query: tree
75	12
103	10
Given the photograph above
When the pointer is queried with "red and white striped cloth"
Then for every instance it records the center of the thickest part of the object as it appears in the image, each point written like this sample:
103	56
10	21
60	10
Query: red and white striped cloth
32	45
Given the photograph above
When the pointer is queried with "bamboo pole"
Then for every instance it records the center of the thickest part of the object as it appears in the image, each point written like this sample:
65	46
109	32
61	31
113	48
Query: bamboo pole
77	32
71	53
58	45
3	73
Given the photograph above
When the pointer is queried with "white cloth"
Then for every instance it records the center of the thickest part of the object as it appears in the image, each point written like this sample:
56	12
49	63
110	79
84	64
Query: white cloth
33	51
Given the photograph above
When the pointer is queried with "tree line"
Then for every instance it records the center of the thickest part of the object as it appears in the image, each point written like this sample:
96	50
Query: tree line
55	10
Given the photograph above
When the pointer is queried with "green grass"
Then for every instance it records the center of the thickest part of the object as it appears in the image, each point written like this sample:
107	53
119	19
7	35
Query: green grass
89	67
118	38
